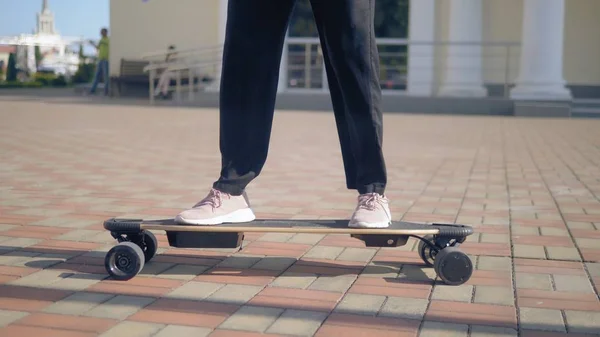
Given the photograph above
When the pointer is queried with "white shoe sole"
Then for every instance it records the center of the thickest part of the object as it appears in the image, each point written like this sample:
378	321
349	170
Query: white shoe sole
369	225
241	215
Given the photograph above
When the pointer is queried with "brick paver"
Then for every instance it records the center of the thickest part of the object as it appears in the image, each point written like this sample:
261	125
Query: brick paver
530	187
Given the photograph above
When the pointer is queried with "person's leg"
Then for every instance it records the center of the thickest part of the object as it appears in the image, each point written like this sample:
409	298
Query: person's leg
158	87
161	81
255	33
166	81
346	30
250	74
106	77
96	77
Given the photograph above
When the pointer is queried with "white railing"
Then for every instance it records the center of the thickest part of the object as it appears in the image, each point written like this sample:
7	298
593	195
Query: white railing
194	63
426	64
498	64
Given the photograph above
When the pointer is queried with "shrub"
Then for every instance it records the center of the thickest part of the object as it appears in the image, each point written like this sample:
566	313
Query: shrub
85	73
44	78
59	81
16	85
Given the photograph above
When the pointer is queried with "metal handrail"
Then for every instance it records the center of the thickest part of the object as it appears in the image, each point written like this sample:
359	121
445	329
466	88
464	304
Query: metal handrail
403	42
305	67
184	60
497	64
191	51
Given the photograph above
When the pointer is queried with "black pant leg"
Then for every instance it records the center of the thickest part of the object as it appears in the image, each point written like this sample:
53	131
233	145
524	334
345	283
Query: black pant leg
346	30
255	33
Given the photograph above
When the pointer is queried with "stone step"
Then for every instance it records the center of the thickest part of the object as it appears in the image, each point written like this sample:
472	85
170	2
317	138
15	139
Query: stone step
542	109
585	112
586	103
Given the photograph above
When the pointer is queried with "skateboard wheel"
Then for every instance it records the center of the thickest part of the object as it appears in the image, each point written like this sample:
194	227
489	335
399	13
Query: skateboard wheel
453	266
148	243
425	252
124	261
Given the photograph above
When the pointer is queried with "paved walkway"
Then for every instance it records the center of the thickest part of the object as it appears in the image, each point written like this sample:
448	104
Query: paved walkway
531	187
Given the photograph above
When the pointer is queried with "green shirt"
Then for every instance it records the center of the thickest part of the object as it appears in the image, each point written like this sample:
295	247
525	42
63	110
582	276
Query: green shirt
103	48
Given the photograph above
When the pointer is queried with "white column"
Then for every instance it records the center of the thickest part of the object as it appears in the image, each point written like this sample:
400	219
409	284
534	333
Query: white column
421	55
31	66
541	68
215	86
463	62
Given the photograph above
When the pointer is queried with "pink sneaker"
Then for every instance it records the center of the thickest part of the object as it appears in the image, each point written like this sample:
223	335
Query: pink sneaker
372	212
217	208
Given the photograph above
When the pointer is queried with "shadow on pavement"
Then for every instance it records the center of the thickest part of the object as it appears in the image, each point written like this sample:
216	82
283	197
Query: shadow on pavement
92	262
87	267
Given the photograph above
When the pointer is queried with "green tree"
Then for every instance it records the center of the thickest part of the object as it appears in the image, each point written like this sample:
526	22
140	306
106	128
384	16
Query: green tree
38	56
11	68
81	54
391	19
85	71
302	23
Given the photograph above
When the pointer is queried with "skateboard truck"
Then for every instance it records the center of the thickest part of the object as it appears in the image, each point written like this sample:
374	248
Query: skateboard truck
438	244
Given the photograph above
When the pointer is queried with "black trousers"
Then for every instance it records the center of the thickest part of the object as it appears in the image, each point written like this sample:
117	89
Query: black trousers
254	39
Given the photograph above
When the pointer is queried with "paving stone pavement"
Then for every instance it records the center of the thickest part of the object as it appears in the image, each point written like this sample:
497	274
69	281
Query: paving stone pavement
530	187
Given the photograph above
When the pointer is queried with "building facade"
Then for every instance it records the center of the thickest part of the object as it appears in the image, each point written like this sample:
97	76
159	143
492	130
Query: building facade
56	54
57	51
524	49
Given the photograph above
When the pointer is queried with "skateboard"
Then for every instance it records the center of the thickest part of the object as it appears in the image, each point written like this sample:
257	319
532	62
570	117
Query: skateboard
438	243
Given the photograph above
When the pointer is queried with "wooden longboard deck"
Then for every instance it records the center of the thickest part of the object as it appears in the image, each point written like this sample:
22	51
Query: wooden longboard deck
290	226
138	244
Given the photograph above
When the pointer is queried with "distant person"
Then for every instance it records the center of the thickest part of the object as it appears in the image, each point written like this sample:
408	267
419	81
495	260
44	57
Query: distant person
162	88
102	66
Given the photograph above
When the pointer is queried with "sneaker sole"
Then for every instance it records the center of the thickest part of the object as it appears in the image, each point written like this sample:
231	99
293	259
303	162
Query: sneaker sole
369	225
241	215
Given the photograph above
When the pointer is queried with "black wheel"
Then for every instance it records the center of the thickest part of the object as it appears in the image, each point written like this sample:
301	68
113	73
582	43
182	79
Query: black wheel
124	261
148	243
453	266
425	252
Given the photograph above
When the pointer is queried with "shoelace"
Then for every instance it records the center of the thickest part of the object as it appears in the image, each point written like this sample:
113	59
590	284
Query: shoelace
214	198
371	200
